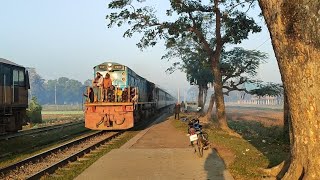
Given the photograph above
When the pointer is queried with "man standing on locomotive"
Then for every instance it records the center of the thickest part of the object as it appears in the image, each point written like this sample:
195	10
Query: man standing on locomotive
107	83
97	85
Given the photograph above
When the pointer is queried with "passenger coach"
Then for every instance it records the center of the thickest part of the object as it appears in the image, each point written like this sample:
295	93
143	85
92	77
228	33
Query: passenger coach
123	113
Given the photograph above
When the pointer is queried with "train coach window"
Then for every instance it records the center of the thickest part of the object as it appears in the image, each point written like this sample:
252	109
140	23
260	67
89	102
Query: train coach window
21	78
16	77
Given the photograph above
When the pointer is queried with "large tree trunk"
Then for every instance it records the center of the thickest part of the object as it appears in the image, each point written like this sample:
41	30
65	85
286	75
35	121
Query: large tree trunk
210	108
205	94
220	106
286	118
200	98
295	33
216	71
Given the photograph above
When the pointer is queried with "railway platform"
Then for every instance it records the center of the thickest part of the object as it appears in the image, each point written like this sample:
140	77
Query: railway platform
158	152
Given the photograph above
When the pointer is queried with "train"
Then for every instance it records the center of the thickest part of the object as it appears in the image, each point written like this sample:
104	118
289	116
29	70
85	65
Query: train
140	99
14	86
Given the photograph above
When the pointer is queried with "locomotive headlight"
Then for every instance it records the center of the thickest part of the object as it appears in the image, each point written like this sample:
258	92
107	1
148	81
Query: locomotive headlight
109	64
109	68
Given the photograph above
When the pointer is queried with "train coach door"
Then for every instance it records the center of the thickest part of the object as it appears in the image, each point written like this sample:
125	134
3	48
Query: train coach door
15	86
6	85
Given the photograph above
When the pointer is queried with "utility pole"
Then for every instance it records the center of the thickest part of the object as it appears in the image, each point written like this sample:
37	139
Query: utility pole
178	95
55	95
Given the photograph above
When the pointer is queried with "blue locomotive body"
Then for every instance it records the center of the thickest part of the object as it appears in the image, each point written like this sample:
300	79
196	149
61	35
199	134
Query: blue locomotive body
122	114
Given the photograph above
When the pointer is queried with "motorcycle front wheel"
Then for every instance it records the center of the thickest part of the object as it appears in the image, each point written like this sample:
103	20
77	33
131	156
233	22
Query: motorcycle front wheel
199	147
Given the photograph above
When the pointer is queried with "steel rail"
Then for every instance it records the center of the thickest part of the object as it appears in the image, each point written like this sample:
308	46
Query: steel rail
71	158
38	130
44	154
51	169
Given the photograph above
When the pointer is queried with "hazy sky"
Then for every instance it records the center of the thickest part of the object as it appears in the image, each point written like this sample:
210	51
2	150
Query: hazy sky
67	38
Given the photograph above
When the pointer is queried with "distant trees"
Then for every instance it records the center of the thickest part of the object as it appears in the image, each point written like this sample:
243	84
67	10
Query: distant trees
238	67
37	84
60	91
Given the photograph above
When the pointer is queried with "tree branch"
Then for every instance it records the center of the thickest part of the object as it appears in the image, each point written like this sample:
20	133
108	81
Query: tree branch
200	35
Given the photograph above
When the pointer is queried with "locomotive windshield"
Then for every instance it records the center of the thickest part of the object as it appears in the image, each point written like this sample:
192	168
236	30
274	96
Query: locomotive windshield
117	73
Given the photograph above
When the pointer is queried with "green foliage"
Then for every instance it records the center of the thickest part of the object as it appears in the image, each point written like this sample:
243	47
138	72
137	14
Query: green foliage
270	89
190	36
37	84
239	66
34	111
189	19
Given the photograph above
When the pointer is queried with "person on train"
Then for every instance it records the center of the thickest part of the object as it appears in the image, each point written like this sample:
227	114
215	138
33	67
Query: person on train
110	94
134	94
97	85
107	83
119	94
125	95
89	95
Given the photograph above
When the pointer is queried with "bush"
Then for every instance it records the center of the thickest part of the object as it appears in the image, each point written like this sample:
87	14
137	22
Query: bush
34	111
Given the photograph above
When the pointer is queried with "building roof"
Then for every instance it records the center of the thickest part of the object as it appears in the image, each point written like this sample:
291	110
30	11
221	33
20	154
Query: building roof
9	62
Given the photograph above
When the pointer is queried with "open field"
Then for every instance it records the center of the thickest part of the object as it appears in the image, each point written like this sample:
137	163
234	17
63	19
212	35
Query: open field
266	116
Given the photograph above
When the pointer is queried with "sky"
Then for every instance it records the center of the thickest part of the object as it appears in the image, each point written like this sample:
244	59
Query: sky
68	38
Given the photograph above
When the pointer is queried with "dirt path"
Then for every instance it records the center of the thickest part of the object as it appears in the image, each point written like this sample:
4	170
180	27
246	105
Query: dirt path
158	152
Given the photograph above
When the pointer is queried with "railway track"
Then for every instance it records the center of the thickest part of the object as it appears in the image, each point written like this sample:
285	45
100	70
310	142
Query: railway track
38	130
47	162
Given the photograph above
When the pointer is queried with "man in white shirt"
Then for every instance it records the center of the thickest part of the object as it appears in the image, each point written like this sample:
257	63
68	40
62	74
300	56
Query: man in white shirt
97	85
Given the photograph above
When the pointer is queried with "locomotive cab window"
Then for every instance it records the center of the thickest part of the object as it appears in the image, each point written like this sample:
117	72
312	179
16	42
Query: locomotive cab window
21	78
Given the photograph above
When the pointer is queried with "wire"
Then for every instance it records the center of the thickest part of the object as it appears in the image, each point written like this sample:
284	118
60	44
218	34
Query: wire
262	43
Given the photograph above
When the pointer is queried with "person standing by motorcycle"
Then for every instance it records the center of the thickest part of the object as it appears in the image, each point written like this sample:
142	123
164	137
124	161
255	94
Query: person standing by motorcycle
177	111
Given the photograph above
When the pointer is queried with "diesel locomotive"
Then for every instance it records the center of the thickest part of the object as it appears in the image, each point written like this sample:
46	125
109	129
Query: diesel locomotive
130	100
14	85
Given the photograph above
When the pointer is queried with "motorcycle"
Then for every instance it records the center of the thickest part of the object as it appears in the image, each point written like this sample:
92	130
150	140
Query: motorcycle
198	138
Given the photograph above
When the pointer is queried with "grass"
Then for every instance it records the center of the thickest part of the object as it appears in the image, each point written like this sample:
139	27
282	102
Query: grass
268	140
261	147
22	147
53	118
71	171
61	112
67	107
